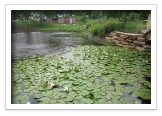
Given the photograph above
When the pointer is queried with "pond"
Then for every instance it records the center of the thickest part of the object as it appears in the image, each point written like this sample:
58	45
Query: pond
45	43
68	68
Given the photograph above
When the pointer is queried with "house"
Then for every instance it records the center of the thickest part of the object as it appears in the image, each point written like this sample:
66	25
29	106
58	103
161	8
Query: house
66	20
61	20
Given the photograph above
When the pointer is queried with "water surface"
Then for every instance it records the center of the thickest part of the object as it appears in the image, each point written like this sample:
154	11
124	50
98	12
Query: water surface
45	43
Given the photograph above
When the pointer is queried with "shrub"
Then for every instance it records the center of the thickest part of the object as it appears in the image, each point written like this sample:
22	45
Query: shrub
83	19
101	30
111	26
98	30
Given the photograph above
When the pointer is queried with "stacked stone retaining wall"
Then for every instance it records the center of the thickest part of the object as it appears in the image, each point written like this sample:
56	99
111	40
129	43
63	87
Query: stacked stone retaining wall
129	40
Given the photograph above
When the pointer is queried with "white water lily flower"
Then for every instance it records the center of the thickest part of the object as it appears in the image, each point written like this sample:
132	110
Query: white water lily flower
66	89
114	55
28	102
52	84
121	59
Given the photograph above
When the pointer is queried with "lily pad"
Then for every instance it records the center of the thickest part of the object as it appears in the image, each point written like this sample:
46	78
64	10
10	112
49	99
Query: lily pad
127	100
44	100
38	95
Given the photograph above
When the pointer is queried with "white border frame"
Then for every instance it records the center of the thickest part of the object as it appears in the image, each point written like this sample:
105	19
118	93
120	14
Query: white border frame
153	9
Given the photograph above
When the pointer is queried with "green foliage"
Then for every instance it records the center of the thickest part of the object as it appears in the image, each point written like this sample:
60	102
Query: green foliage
101	30
111	26
96	27
35	25
135	26
98	30
83	19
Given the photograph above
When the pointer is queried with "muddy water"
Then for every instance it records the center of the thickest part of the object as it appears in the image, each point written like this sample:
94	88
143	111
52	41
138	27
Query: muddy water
45	43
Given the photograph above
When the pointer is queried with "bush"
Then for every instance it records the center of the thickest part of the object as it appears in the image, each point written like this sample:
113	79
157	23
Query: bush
83	19
98	30
101	30
111	26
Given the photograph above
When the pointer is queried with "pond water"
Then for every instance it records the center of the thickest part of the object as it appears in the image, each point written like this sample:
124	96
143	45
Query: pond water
45	43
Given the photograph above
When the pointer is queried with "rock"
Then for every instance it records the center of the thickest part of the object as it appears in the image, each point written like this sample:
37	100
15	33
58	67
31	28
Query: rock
128	46
143	31
123	36
147	46
120	45
129	40
140	49
139	42
132	44
140	39
133	37
114	37
113	34
120	39
124	43
116	41
108	38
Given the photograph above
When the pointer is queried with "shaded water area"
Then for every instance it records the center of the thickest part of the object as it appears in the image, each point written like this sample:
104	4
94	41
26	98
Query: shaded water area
29	44
87	68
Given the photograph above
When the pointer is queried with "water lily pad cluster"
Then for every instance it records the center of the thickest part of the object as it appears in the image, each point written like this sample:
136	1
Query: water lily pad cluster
88	75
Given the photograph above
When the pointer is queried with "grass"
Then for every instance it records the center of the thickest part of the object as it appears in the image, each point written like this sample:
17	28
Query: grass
50	27
104	26
135	27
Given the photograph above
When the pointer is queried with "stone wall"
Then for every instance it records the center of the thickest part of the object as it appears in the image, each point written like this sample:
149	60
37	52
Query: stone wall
129	40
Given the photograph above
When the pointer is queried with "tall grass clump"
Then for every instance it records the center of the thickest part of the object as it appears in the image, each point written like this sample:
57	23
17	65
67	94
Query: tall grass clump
102	29
135	26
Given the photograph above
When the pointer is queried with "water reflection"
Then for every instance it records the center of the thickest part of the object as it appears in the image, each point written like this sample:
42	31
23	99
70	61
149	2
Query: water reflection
43	43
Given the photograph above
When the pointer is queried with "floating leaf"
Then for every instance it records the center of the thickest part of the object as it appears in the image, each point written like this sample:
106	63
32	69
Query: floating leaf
126	100
38	95
44	100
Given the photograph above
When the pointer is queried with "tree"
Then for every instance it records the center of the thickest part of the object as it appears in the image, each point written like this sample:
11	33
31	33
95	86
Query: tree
20	15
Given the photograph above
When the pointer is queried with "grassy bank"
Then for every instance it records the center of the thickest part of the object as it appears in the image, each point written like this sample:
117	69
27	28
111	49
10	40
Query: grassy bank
104	26
36	26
